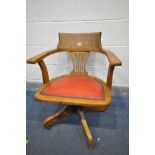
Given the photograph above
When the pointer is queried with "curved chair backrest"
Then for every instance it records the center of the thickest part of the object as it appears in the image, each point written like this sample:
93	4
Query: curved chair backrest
80	44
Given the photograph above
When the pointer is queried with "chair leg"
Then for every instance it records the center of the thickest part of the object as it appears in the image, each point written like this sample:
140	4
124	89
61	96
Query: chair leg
86	128
49	121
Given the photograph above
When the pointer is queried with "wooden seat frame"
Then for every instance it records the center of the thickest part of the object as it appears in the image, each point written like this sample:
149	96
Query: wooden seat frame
79	45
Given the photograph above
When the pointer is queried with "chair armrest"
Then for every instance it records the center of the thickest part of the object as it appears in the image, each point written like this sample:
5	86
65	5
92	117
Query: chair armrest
41	56
113	59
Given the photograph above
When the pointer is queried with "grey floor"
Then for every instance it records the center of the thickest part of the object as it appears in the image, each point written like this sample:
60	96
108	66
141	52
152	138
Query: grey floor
109	128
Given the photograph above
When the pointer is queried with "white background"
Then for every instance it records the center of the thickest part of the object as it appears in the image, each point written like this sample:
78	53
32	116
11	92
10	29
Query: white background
13	77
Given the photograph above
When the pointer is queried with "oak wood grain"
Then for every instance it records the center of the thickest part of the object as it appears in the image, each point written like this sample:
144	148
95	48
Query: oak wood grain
86	128
44	71
41	56
113	59
50	120
110	76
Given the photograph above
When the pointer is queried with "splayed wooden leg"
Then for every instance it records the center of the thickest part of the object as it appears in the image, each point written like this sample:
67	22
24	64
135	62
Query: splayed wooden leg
49	121
86	128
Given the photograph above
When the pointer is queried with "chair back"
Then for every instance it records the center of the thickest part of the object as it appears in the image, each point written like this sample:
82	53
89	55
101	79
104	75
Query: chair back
80	42
79	45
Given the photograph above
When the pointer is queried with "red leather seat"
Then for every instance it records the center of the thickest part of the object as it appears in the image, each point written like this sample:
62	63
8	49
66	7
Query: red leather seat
76	87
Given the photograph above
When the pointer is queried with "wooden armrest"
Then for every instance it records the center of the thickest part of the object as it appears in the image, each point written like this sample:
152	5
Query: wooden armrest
41	56
113	59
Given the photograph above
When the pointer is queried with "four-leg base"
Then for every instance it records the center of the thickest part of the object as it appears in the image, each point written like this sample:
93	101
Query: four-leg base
49	121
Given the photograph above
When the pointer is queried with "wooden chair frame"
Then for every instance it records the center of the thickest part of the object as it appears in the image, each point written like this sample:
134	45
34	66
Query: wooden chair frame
76	104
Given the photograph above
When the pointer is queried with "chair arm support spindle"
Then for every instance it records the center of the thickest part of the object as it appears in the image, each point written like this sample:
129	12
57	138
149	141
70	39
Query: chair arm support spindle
110	76
39	59
44	71
113	61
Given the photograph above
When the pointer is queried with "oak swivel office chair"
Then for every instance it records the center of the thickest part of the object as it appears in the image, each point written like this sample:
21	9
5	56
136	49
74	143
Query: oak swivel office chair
77	91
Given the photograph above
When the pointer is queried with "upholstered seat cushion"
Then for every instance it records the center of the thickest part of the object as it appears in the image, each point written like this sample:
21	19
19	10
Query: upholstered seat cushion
75	86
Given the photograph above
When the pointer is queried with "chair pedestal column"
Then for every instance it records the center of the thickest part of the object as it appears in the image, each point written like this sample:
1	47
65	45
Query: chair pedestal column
65	111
